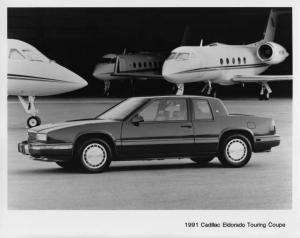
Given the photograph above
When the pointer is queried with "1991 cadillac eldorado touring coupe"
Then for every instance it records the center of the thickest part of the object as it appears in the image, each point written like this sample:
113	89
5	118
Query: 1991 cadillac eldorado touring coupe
153	127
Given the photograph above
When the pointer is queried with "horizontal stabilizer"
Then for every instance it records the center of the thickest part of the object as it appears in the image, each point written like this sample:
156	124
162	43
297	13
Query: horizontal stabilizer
261	78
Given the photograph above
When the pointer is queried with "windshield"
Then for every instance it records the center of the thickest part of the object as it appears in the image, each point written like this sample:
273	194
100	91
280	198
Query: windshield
172	56
35	55
107	60
179	56
123	109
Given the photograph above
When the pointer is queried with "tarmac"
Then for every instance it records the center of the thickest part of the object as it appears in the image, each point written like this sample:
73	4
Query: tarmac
264	183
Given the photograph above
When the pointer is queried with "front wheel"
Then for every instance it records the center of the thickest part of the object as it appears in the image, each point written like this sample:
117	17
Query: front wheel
94	155
235	151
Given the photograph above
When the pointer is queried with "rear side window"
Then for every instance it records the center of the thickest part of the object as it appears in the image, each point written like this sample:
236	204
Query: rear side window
201	110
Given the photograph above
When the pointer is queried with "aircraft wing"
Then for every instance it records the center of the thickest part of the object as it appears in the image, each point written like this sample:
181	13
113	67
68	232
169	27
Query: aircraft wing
261	78
140	76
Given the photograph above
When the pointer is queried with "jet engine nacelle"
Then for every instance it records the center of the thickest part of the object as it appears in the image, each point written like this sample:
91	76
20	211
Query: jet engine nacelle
271	53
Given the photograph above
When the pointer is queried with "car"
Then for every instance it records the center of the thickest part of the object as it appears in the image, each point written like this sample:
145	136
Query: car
160	127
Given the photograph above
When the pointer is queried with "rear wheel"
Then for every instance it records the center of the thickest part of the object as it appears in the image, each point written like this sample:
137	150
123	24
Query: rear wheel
202	160
235	151
94	155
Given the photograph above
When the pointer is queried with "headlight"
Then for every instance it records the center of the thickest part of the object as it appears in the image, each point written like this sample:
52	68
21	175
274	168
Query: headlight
41	137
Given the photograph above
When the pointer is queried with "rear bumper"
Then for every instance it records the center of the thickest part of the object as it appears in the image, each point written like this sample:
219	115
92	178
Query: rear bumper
265	143
61	152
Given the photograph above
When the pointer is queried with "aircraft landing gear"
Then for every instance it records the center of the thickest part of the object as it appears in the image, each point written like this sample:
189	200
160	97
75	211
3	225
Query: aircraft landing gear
106	88
210	91
180	89
33	121
29	108
265	91
132	87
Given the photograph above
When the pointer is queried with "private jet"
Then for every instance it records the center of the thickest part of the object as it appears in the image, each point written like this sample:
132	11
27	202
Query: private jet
139	66
31	74
224	64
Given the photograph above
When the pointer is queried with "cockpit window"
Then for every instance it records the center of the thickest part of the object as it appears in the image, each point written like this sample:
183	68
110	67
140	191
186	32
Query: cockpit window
15	55
172	56
107	60
183	56
35	55
179	56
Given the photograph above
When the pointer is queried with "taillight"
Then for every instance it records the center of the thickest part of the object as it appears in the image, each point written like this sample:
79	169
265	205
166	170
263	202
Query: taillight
273	126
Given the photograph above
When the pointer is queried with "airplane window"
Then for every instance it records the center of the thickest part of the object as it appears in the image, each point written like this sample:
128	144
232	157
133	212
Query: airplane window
140	65
134	65
221	61
233	60
183	56
15	54
145	64
150	64
155	64
227	60
244	60
172	56
35	55
239	60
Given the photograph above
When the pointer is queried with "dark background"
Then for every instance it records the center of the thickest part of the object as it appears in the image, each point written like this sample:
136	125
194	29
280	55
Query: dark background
78	37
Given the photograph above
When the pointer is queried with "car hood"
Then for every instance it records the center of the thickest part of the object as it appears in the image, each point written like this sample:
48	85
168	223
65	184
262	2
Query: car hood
55	126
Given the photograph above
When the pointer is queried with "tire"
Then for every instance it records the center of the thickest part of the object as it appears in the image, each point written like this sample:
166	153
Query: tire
235	151
202	161
33	121
94	155
66	165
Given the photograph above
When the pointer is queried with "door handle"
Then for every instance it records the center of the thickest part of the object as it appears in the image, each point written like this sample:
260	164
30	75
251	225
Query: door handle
186	126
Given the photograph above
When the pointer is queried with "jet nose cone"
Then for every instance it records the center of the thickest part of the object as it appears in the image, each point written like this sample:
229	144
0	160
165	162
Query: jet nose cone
79	82
167	71
97	71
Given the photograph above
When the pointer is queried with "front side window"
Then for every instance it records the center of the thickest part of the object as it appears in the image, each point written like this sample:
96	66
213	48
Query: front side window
201	110
165	110
15	55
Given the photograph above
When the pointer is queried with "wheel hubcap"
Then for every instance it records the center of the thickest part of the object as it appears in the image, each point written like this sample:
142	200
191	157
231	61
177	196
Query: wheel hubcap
94	155
32	122
236	150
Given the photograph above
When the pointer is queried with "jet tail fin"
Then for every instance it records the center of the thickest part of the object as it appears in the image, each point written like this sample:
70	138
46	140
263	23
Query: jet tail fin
184	40
269	33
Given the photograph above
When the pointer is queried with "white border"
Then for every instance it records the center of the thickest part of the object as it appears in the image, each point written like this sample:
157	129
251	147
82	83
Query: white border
144	223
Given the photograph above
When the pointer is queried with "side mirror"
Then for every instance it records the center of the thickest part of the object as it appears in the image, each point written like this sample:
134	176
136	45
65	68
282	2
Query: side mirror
136	120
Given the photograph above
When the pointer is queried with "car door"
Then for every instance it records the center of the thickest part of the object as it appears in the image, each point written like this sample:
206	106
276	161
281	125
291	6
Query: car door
205	127
165	129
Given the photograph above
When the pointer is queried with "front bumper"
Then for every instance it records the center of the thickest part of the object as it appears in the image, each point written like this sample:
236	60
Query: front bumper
61	152
265	143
